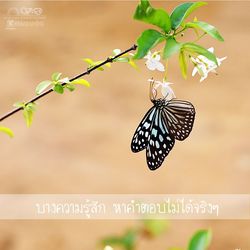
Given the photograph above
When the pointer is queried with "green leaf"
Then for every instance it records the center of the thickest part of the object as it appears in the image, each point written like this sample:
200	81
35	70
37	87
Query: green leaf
171	47
146	13
96	63
182	11
70	87
113	240
56	76
200	240
208	28
183	64
92	63
28	112
58	88
197	49
127	241
81	82
28	116
108	65
19	104
155	227
122	59
89	61
7	131
42	86
147	40
133	64
31	106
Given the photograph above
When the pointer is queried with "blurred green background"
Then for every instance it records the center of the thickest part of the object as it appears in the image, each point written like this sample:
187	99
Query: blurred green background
80	142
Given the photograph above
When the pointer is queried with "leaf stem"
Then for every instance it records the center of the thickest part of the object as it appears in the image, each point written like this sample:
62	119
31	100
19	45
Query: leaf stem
199	37
177	33
87	72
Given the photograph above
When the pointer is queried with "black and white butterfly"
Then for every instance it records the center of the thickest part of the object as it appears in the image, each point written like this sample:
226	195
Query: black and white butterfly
165	122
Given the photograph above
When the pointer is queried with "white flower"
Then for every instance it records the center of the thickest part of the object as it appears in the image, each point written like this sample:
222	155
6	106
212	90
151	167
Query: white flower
153	61
108	248
200	67
166	90
203	65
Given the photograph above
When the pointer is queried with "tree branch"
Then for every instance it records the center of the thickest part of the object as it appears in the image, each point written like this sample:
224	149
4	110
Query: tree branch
87	72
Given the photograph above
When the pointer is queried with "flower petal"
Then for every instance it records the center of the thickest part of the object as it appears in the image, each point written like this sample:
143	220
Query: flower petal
202	70
204	66
167	91
160	67
203	78
195	70
194	60
211	49
151	65
219	60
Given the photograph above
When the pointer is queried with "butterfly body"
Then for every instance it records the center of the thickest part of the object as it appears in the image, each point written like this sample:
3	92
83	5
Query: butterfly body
159	103
165	122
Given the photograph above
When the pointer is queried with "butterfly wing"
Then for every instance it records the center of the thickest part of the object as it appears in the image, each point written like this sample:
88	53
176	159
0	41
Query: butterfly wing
179	116
142	133
160	141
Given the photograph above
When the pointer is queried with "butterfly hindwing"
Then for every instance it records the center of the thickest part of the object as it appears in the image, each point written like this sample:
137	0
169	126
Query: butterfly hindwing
142	133
179	116
160	142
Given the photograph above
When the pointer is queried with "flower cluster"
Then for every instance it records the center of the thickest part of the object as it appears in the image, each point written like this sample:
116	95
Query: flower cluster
202	65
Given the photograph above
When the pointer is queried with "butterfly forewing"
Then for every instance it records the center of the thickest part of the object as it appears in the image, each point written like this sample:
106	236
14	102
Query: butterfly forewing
179	116
142	133
160	142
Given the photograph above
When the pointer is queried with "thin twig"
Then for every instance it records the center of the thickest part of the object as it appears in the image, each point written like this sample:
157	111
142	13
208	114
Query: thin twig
87	72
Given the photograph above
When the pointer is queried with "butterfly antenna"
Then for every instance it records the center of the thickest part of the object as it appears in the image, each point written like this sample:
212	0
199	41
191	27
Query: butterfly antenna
152	90
166	96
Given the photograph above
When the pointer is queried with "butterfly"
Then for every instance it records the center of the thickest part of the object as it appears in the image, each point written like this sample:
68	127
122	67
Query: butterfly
165	122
